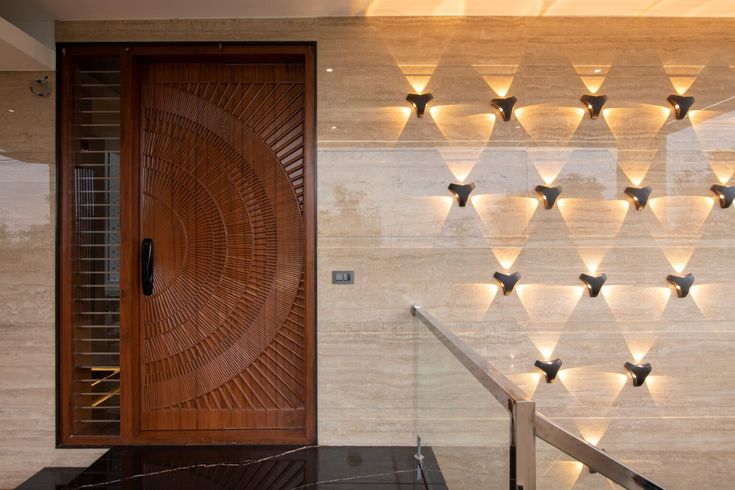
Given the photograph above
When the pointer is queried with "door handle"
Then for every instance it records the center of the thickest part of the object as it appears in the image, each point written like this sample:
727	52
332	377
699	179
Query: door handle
146	265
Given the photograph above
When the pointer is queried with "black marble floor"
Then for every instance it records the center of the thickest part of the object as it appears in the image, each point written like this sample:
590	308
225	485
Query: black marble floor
250	467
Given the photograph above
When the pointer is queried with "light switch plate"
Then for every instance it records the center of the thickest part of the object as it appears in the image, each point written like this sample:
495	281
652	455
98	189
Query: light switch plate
343	277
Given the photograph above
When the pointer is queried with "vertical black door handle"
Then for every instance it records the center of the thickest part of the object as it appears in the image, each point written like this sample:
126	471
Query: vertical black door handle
146	265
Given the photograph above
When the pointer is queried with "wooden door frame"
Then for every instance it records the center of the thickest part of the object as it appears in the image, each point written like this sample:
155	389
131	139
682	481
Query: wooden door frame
132	55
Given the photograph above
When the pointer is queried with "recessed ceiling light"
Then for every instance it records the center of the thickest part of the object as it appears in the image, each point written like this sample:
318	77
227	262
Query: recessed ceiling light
11	110
333	127
330	70
598	70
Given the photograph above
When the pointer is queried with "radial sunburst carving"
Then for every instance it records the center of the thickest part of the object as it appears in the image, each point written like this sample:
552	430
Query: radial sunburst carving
223	190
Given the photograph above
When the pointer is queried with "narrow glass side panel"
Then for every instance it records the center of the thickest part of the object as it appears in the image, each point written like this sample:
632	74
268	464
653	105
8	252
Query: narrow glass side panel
96	247
556	470
465	432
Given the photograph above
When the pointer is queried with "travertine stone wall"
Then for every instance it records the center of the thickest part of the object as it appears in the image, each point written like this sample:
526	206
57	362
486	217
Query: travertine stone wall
384	211
27	331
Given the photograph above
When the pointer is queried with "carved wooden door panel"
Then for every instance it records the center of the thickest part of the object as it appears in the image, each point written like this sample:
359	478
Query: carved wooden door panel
223	338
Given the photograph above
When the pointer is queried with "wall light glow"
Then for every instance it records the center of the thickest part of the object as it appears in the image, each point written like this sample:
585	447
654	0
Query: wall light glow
480	296
682	215
498	77
546	121
549	302
437	208
592	76
461	169
635	172
504	216
549	170
528	382
631	303
638	345
506	256
697	119
710	299
418	76
545	343
461	161
626	122
459	122
592	429
722	164
593	217
682	76
592	257
394	120
593	388
678	257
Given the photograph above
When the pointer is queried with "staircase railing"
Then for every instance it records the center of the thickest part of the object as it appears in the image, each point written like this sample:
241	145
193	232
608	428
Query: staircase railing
527	424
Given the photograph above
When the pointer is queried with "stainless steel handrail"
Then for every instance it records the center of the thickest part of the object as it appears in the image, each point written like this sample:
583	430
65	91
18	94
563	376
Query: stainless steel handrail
527	423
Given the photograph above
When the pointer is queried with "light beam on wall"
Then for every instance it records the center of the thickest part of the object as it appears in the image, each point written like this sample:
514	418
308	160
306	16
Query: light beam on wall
722	164
592	256
631	122
545	343
549	170
638	345
592	429
682	76
632	303
463	122
461	161
710	299
506	256
503	215
592	76
592	388
635	164
593	217
435	209
678	257
498	77
549	302
682	215
418	76
550	122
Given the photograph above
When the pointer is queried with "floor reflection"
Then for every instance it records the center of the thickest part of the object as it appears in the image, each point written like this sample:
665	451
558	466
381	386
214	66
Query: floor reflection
254	467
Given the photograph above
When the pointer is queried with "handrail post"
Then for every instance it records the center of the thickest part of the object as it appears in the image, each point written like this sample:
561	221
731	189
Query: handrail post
523	444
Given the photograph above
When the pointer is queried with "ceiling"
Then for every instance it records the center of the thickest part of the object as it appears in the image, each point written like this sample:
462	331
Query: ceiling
26	10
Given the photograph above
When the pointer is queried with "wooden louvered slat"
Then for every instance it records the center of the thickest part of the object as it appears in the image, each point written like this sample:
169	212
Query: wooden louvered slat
95	254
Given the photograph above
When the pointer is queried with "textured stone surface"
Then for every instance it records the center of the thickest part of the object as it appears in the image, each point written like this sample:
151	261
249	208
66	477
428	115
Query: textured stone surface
384	212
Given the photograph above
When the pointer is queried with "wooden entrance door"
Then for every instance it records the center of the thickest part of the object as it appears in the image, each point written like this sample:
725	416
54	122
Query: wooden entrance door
186	244
222	339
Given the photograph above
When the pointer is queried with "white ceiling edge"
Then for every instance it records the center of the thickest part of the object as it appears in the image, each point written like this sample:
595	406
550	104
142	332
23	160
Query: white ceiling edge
95	10
22	52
